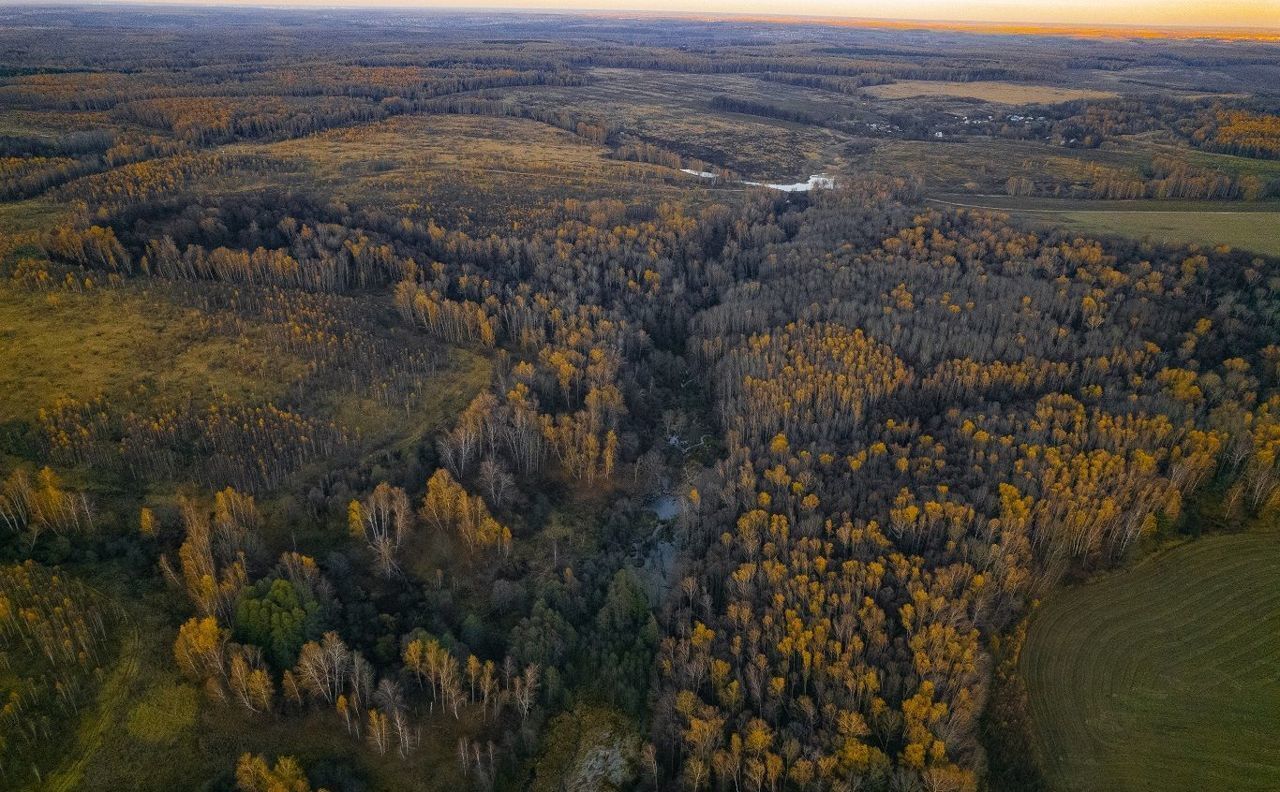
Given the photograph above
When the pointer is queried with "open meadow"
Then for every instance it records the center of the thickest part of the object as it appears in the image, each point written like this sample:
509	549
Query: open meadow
1250	227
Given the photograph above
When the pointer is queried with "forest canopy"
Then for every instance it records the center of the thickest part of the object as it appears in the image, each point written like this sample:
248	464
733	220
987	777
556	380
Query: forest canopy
527	402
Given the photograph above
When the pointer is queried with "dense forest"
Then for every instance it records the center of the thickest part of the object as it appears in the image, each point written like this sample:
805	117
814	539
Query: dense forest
463	434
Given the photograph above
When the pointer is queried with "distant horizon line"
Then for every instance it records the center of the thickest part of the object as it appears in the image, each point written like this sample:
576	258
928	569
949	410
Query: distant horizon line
978	26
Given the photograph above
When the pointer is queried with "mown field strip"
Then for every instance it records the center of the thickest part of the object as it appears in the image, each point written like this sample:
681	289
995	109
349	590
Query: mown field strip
1166	676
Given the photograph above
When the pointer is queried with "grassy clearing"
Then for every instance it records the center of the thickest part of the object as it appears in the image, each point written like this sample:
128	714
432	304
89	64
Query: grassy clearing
109	341
1248	226
667	96
491	174
684	93
1166	676
988	91
1210	160
984	166
36	214
444	397
114	339
1255	231
49	125
165	712
150	731
440	142
673	110
95	725
1030	205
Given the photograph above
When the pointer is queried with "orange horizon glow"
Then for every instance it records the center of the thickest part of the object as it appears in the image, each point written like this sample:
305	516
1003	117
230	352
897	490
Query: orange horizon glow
1180	19
1016	27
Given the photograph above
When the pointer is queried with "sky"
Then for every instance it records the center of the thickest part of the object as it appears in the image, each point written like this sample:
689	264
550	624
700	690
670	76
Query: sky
1143	13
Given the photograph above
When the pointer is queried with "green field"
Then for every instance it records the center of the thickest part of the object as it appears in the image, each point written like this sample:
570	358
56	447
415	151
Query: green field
1254	231
1248	226
1166	676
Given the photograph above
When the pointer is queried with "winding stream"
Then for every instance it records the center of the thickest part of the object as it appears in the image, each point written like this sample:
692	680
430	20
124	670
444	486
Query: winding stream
818	181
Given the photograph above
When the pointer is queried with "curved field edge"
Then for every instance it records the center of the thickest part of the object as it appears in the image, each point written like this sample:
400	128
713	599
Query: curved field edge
1165	676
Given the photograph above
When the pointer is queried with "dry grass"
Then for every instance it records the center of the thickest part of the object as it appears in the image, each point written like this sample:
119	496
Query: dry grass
673	110
36	214
464	171
998	92
984	166
443	142
50	124
107	342
164	713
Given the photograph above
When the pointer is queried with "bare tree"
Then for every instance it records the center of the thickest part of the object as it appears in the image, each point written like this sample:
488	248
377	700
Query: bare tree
383	520
525	689
496	482
390	700
322	667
